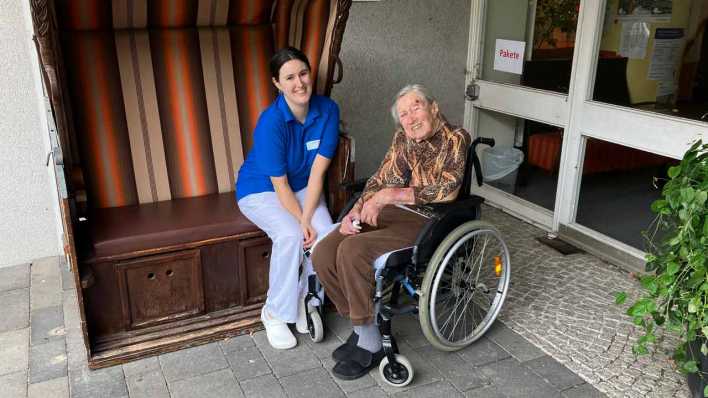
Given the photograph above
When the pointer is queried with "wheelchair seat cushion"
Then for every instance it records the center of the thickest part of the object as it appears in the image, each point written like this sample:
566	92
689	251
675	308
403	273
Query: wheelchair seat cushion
394	259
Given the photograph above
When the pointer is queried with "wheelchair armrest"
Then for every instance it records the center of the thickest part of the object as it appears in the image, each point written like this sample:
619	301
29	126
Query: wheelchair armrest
355	186
445	217
354	190
349	205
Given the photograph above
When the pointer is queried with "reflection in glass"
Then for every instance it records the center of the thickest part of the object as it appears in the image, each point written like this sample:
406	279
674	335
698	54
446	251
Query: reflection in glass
655	58
545	30
617	188
526	157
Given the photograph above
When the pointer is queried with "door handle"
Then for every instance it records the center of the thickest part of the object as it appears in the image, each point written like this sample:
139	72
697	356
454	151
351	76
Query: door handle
472	91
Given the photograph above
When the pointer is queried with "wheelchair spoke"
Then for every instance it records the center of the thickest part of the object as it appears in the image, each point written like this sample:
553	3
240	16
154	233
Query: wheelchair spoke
462	313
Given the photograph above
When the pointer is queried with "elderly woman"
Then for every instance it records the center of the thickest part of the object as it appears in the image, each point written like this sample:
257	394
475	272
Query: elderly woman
424	164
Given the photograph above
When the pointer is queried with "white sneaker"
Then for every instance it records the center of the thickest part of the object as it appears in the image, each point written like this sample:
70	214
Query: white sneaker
301	323
279	335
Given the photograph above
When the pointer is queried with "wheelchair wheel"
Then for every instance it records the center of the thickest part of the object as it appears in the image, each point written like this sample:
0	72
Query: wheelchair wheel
398	374
464	286
316	328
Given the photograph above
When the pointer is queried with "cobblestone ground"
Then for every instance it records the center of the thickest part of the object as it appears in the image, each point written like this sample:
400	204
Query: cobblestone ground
565	306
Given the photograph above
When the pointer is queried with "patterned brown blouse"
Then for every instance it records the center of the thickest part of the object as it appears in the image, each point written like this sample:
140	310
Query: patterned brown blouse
433	168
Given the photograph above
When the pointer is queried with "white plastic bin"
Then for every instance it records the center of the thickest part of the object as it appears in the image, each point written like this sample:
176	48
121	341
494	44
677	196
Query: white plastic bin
500	166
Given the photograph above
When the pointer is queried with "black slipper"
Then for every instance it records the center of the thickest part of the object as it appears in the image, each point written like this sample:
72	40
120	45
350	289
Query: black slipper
342	352
358	364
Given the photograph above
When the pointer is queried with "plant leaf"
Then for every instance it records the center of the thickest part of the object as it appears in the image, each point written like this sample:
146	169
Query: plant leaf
674	171
642	307
701	197
693	306
658	205
705	391
620	297
690	367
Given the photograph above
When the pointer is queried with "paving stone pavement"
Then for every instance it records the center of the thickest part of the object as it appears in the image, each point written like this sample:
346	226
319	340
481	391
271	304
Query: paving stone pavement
564	305
560	336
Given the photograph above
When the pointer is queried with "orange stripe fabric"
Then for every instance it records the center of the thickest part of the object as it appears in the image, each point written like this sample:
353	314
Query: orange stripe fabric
183	112
313	36
172	13
101	125
282	23
142	115
325	59
250	12
220	91
84	14
252	48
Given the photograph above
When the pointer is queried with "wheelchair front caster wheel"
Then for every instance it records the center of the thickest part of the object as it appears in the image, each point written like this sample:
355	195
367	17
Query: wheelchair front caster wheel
316	327
398	373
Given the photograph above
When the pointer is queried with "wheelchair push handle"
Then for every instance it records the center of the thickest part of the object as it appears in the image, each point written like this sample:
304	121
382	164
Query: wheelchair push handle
475	159
485	141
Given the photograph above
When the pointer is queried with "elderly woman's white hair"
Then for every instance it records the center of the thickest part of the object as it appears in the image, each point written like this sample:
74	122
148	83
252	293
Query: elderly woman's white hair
417	88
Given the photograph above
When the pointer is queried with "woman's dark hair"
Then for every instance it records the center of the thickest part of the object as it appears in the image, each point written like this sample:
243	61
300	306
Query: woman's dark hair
284	55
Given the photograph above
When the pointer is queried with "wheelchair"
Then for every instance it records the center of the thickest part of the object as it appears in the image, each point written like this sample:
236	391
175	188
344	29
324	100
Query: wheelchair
457	274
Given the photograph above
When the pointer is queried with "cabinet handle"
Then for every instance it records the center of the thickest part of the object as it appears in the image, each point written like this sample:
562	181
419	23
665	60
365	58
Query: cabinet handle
151	275
265	255
169	272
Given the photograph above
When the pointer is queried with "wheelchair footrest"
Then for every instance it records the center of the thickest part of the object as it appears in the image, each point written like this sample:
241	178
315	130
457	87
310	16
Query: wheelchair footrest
403	310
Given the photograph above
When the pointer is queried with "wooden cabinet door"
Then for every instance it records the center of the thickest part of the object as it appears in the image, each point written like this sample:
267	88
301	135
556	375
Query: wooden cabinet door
254	264
160	288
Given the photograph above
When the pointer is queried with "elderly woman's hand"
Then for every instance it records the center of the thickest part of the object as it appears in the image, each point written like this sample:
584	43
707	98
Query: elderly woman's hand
347	227
370	211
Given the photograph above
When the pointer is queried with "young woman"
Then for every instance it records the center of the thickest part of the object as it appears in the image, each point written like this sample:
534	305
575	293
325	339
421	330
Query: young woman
280	186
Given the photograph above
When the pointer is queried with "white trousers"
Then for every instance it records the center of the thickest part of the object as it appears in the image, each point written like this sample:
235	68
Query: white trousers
284	286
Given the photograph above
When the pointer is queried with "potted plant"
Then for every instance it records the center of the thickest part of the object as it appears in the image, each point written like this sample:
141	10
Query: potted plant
675	293
553	16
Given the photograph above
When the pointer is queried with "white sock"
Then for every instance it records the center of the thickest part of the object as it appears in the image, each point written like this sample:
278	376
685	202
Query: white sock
369	337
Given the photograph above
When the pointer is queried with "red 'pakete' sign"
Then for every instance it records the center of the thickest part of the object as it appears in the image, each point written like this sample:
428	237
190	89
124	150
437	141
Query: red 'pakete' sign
509	56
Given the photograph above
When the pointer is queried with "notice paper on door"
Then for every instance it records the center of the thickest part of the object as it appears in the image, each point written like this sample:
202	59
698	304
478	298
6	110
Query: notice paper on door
667	43
509	56
634	39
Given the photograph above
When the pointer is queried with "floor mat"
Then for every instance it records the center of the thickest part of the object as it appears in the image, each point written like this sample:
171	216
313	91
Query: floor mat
559	245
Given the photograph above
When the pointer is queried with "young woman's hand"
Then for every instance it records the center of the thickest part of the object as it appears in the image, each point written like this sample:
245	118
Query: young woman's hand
309	235
348	226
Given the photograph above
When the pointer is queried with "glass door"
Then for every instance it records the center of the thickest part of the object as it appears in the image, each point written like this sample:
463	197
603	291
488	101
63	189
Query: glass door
520	64
639	101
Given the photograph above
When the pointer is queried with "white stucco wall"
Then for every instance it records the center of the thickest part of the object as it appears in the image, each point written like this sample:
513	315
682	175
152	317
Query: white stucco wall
29	223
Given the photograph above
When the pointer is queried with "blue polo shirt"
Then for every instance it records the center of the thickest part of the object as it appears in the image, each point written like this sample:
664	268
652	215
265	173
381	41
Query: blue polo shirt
284	146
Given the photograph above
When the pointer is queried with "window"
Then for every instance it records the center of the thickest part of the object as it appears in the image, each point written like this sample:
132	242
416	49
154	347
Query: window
654	56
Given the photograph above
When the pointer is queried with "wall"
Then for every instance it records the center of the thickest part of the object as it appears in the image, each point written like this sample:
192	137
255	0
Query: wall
29	223
389	44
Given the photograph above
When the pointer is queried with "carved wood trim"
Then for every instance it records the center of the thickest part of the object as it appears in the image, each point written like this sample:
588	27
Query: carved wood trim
340	23
46	39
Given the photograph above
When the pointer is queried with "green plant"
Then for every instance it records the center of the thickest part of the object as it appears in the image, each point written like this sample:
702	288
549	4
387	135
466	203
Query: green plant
552	15
676	286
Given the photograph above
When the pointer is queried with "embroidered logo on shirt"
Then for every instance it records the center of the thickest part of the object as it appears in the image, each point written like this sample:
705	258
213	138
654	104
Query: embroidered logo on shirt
311	145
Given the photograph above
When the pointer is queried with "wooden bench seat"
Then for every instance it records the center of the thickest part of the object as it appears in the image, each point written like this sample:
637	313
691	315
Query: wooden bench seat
127	229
